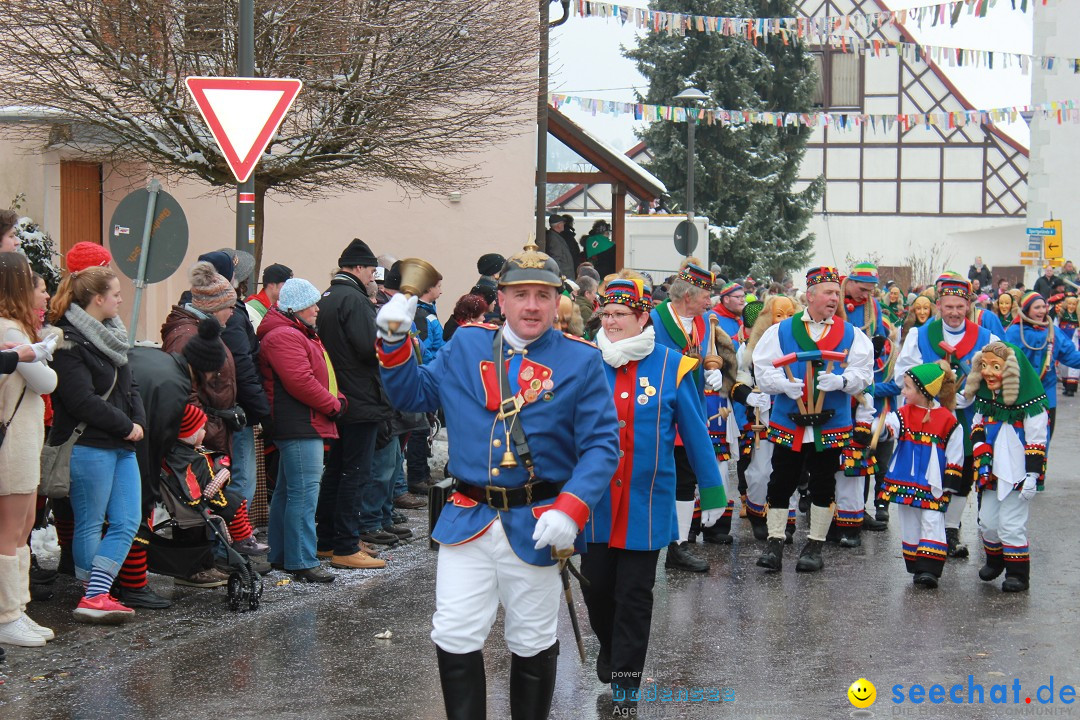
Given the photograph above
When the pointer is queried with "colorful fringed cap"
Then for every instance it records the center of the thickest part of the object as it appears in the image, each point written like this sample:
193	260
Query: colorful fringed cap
729	288
928	377
633	293
818	275
696	276
864	273
1028	300
952	283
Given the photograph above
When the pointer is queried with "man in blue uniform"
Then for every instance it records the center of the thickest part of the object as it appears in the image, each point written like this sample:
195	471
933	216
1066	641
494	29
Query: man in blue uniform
534	442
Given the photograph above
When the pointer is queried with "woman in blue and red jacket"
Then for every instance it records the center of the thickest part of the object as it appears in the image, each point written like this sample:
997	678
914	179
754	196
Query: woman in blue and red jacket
299	382
655	396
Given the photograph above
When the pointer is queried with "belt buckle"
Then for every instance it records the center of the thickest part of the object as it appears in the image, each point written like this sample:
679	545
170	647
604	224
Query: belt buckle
505	497
515	407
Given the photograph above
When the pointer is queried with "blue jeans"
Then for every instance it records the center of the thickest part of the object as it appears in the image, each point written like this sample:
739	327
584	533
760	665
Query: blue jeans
400	485
243	463
384	470
292	510
105	484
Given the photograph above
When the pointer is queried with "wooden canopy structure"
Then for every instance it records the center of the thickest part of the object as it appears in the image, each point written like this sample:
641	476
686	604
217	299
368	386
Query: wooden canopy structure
612	167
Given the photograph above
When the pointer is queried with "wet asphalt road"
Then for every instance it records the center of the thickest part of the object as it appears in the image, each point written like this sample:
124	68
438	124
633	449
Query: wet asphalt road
784	646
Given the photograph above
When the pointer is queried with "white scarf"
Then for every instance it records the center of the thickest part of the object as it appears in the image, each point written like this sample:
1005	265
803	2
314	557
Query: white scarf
618	353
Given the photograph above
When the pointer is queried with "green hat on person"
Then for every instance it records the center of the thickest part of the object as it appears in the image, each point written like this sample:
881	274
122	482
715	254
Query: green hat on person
928	378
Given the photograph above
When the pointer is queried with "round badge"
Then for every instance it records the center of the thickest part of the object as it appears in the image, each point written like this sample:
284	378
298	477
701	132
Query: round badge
547	384
650	391
531	395
642	399
536	384
548	396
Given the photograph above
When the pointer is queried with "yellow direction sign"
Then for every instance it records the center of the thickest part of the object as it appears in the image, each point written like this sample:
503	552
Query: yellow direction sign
1030	262
1053	245
1029	254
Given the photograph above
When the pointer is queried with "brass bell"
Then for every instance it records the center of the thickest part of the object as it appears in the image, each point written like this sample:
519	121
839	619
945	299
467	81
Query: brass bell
417	277
508	460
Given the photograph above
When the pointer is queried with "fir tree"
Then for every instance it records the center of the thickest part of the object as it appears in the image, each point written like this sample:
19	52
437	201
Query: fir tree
743	175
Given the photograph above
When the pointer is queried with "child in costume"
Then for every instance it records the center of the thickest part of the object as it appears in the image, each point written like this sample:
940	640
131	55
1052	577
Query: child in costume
1008	432
929	447
1067	321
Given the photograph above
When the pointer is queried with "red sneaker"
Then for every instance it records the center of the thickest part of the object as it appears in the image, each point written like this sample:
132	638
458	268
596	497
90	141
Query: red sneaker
102	609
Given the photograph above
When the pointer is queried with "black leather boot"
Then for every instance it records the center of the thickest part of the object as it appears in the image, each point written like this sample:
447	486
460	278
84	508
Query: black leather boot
1016	577
759	527
464	685
718	534
679	557
851	537
532	683
955	548
995	565
810	558
773	557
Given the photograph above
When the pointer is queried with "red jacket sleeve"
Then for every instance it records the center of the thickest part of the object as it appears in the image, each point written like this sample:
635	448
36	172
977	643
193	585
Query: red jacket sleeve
288	353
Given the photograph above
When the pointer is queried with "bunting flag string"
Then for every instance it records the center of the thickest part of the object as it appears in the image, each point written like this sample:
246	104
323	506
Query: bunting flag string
848	33
1067	111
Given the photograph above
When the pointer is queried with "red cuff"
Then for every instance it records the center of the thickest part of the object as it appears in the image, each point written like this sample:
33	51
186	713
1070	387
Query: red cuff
394	357
573	506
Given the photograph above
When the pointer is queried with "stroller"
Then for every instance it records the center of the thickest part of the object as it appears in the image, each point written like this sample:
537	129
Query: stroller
176	550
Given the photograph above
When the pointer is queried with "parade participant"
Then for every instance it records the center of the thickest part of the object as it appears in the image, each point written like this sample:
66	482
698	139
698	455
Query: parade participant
885	401
776	309
956	338
682	323
858	465
893	307
524	489
1009	430
1067	322
729	309
921	311
929	449
811	419
1044	346
635	518
1005	309
864	312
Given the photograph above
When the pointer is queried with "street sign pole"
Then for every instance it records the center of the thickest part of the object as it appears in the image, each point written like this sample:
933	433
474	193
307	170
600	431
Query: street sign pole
153	187
245	191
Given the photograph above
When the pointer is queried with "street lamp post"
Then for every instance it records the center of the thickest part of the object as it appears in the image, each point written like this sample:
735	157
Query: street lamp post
695	97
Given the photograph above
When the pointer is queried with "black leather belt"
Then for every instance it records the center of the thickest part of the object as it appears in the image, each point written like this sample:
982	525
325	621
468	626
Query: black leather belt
504	498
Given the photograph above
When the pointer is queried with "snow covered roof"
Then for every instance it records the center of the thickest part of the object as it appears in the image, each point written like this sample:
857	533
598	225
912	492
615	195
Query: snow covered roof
640	182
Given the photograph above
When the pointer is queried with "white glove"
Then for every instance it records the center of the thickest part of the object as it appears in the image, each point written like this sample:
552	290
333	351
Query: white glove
710	517
714	379
759	400
555	528
792	388
1028	489
43	350
395	318
830	382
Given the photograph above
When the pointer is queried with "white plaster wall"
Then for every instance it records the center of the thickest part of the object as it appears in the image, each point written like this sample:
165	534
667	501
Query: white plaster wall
893	239
1055	149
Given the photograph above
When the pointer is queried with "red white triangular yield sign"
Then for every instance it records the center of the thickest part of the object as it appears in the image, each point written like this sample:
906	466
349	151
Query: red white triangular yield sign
243	114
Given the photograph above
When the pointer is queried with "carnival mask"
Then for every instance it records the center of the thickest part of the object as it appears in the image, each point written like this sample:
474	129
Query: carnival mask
1005	303
991	367
1070	305
894	295
782	309
922	309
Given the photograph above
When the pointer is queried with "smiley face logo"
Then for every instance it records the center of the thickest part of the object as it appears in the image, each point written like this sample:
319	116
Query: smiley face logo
862	693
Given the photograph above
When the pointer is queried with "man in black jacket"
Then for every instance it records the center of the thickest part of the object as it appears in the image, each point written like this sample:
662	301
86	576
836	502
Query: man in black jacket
350	505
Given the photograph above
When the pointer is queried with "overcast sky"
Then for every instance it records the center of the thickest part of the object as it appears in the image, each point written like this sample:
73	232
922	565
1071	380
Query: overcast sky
586	60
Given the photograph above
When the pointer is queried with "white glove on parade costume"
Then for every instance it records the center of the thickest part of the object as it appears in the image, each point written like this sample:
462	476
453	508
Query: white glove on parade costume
555	528
1029	487
792	388
710	517
830	382
714	379
759	400
400	310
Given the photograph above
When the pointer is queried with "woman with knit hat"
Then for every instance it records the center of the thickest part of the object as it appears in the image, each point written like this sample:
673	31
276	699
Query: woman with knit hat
97	396
655	397
929	448
87	254
1044	345
304	402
